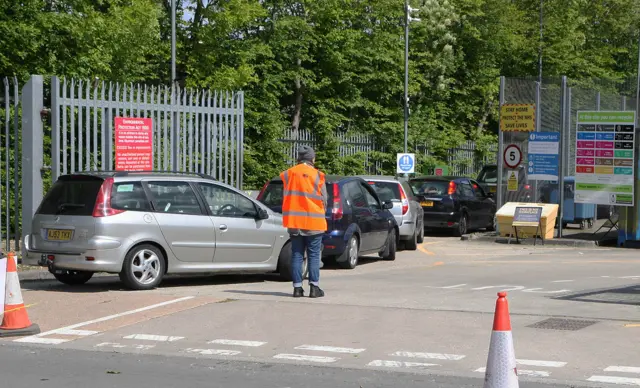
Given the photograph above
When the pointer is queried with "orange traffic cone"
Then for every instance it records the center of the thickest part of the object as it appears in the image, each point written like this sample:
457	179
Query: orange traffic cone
15	321
501	369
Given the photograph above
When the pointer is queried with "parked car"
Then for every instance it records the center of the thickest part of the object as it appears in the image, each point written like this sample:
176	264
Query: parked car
144	225
488	179
358	222
406	208
455	203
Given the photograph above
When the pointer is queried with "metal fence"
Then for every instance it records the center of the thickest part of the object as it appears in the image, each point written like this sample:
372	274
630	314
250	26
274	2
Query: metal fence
465	160
193	130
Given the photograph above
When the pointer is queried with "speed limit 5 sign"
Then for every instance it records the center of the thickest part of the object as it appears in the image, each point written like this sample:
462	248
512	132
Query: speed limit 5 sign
512	156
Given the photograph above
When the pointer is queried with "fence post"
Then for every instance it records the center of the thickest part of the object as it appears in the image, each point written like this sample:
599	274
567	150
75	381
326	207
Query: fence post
563	121
32	151
500	147
55	128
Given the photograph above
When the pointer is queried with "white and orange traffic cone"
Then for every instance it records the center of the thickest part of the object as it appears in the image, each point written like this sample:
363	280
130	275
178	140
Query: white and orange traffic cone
15	321
501	369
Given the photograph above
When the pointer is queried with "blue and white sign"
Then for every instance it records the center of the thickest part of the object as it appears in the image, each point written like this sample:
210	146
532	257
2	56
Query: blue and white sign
406	163
543	156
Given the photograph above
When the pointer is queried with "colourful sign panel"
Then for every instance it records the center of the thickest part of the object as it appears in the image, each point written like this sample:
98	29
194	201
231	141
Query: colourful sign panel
605	145
134	144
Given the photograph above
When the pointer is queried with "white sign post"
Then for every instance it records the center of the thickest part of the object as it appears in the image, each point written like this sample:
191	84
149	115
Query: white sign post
406	164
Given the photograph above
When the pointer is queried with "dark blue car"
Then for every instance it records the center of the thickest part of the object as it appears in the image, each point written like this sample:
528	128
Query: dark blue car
358	222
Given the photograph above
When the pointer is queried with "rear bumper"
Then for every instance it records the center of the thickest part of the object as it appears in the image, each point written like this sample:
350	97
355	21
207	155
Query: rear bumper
103	260
406	230
334	243
441	220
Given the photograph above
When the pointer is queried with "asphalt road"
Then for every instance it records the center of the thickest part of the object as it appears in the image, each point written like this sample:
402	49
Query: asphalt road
574	313
23	367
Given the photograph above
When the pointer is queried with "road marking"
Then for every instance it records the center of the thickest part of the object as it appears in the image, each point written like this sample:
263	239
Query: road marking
523	372
302	357
425	250
448	287
432	242
250	344
434	356
76	332
399	364
213	352
624	369
151	337
632	325
121	346
549	364
330	349
38	337
614	380
537	291
562	281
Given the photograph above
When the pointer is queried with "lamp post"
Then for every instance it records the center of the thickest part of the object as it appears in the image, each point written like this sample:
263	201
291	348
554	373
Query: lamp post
407	19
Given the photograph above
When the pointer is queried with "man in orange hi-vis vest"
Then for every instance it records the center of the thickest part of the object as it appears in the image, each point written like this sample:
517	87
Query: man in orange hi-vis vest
303	212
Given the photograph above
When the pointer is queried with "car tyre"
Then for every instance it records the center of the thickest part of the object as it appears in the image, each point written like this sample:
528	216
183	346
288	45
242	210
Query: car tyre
462	226
492	226
412	243
284	264
421	234
72	278
390	247
349	258
143	267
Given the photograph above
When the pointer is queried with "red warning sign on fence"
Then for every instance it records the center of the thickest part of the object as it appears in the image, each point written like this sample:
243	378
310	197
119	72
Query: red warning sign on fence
134	144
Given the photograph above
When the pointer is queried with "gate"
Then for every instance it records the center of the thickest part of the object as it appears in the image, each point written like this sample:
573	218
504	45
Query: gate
197	131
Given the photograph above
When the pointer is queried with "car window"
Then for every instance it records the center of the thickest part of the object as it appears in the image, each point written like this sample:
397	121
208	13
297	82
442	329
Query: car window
372	201
387	191
488	175
355	194
427	187
174	197
129	196
273	194
224	202
465	189
73	197
477	189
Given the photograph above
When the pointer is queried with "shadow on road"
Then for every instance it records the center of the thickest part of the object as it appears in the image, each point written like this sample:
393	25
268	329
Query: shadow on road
265	293
629	295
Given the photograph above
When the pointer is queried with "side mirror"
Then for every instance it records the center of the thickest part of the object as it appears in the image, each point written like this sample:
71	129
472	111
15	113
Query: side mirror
387	205
262	214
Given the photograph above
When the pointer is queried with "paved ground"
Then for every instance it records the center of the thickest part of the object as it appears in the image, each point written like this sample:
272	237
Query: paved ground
574	312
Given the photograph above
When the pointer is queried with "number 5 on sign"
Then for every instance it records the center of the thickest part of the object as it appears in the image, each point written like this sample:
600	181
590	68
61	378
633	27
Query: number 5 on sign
512	156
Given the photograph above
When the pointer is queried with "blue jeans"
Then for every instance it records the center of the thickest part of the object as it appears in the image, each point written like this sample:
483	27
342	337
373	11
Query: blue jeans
313	246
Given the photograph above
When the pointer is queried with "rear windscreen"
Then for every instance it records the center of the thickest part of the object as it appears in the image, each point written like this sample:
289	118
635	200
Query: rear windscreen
75	197
430	187
387	191
272	196
488	175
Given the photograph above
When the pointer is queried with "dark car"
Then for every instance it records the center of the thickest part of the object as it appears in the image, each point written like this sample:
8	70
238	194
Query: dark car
460	204
358	223
488	179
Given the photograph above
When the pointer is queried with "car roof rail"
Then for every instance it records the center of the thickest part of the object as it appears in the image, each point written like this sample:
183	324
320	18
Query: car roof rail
126	173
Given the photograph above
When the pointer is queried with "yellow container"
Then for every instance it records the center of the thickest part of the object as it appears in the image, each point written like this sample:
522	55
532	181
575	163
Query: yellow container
547	220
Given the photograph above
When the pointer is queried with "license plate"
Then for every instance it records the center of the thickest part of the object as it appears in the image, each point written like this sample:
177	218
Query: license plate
493	189
59	234
427	203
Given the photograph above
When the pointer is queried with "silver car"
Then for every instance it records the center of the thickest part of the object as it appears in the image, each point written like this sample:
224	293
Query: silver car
145	225
406	208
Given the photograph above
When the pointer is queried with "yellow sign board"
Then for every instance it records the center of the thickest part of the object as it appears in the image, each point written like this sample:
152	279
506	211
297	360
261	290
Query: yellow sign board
518	118
512	181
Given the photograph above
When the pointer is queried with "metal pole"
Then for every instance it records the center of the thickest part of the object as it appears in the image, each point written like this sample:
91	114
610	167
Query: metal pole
500	147
406	75
540	43
174	114
563	121
173	41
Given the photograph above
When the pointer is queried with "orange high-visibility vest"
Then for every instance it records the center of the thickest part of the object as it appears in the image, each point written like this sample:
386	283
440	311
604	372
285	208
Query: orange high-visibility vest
302	207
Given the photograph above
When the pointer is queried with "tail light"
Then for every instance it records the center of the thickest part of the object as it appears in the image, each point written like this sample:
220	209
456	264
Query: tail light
103	207
527	187
262	190
452	188
405	200
336	209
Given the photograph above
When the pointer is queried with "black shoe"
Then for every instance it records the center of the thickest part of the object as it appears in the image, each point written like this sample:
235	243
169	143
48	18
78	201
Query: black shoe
315	292
298	292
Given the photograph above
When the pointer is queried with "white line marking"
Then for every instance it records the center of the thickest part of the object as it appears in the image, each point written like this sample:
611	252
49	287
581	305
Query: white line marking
562	281
151	337
522	372
38	340
549	364
456	286
301	357
213	352
251	344
107	318
435	356
76	332
614	380
330	349
624	369
399	364
121	346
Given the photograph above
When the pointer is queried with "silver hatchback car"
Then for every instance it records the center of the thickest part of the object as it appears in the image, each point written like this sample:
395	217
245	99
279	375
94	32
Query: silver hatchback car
143	225
406	209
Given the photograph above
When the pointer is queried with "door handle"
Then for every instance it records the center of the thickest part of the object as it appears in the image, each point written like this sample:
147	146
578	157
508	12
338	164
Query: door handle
223	227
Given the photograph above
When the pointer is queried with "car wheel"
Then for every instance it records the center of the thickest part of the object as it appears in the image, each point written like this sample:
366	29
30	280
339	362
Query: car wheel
143	267
284	264
462	226
421	234
72	278
492	226
349	258
391	247
412	243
